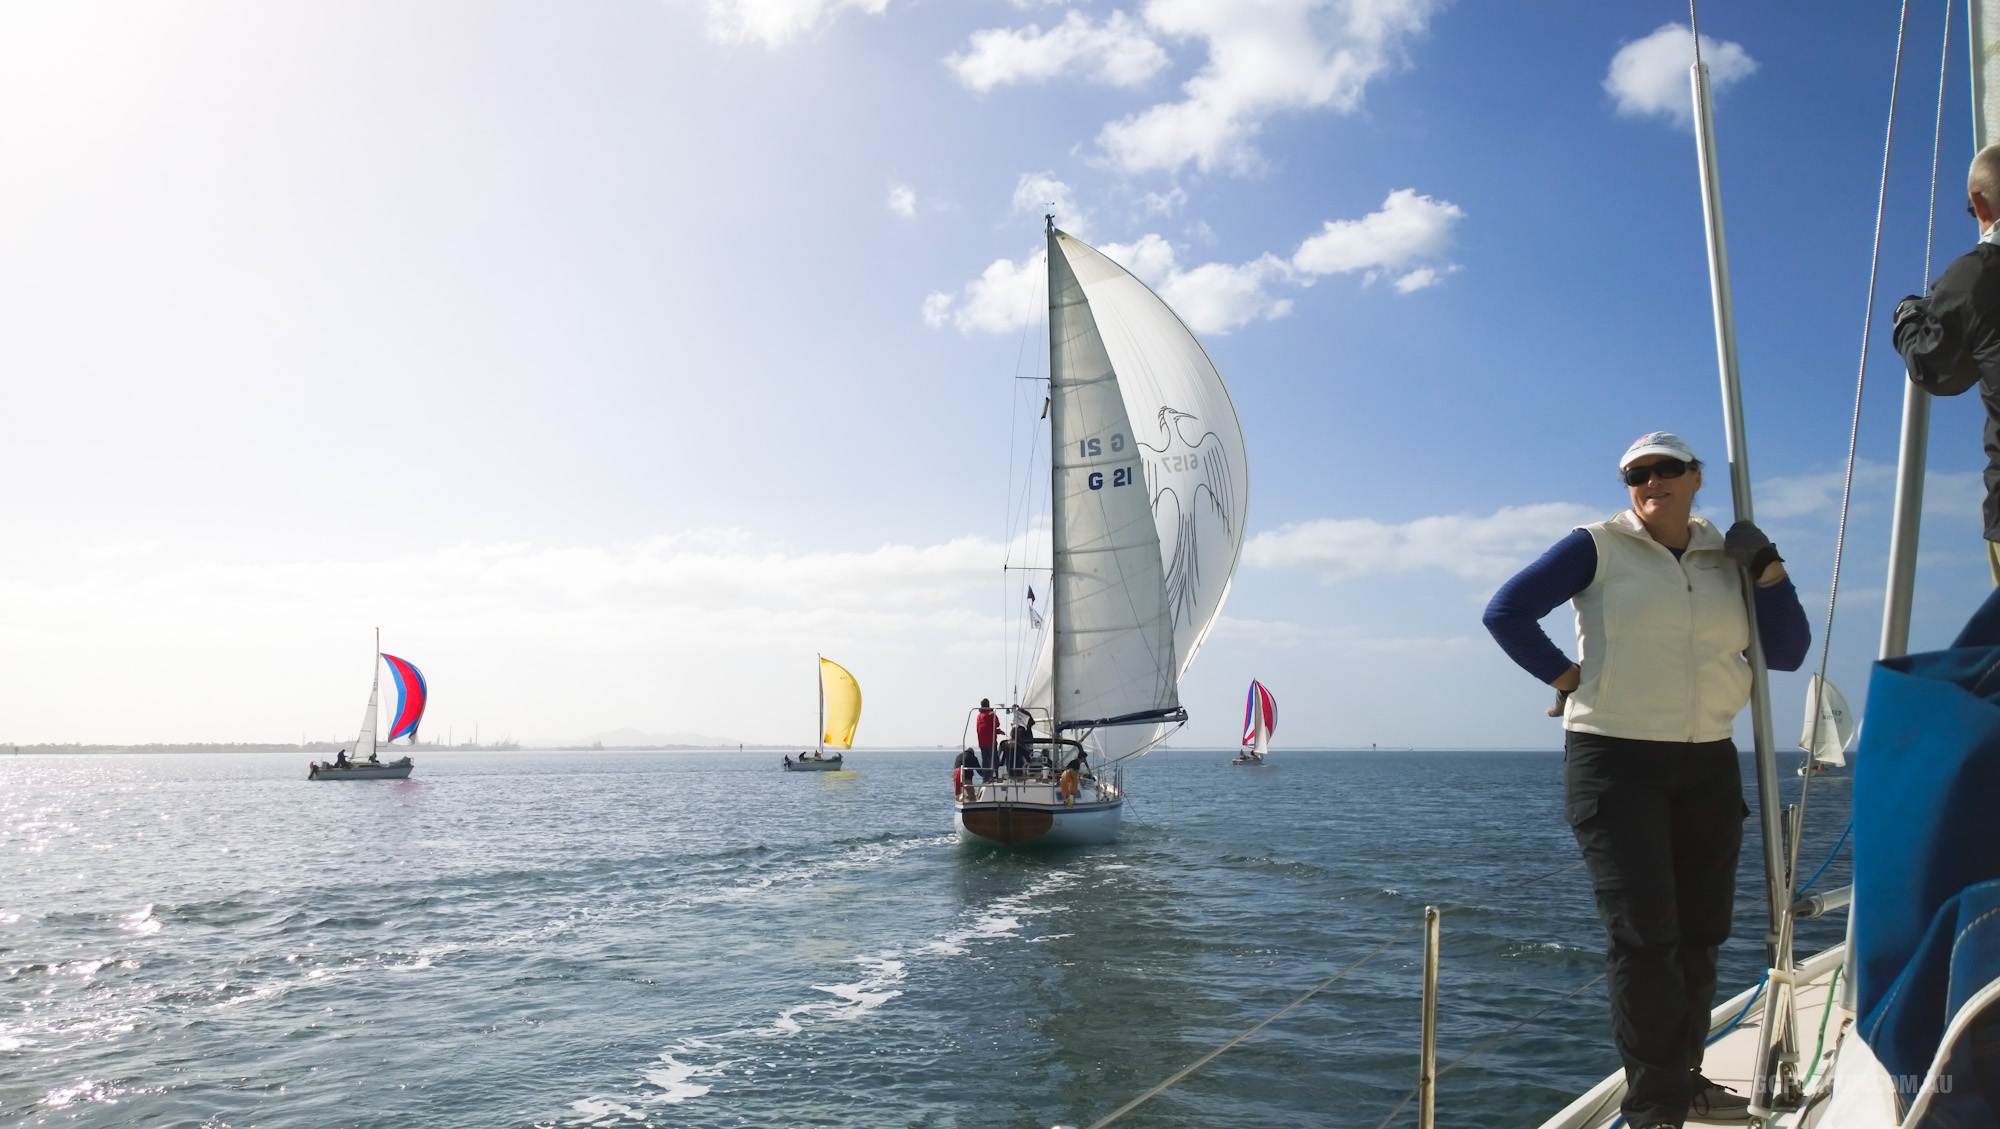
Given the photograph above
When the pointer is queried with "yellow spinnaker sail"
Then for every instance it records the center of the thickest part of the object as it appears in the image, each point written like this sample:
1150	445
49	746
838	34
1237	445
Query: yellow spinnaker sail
843	704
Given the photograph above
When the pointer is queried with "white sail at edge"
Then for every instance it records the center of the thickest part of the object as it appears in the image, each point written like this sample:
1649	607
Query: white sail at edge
1826	736
364	745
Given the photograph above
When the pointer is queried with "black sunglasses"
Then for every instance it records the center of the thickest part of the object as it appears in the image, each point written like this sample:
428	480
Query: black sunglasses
1665	468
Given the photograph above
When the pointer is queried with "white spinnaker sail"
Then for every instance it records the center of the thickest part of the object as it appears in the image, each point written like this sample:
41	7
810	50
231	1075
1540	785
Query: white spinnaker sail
364	745
1197	473
1114	652
1826	736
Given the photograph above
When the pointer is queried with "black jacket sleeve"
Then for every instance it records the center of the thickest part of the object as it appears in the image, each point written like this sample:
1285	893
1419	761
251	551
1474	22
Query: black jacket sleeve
1950	341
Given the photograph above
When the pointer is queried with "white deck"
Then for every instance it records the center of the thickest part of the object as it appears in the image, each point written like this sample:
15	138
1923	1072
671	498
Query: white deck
1732	1060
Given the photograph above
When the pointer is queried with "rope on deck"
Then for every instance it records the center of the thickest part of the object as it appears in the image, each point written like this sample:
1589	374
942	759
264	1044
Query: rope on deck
1371	954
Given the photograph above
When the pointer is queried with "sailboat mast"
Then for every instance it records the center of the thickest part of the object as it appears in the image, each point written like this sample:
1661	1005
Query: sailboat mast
1776	881
819	674
1057	611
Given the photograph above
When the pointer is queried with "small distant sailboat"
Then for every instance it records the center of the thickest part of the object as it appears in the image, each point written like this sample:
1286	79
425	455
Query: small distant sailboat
412	695
1260	720
1826	736
839	717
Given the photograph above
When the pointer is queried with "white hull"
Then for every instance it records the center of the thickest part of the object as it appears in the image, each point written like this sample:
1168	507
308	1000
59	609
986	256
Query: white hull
391	770
1247	757
1031	813
830	764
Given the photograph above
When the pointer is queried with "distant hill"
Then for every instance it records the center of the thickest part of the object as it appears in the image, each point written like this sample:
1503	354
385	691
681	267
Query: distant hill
629	738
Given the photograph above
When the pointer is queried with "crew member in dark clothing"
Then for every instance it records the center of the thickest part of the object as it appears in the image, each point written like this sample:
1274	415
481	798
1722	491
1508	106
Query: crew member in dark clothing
1950	340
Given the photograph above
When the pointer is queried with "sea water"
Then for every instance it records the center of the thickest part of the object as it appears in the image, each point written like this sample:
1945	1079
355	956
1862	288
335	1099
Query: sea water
699	939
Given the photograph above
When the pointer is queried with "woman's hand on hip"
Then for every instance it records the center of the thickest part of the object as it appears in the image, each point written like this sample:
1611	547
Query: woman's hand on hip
1569	679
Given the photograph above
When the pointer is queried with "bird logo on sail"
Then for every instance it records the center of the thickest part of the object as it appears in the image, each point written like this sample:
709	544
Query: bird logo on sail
1188	478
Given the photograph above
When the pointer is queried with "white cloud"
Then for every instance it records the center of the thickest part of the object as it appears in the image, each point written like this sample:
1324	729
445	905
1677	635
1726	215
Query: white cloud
1210	298
1488	547
902	200
702	626
1650	76
1420	279
1797	495
1039	193
1162	203
1408	229
1264	57
1217	297
1116	52
774	23
1000	300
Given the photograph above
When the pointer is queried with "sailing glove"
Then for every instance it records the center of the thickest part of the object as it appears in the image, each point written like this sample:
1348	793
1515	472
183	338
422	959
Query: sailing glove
1746	545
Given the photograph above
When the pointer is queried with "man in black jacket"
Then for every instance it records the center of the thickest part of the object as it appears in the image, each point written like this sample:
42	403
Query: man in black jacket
1950	341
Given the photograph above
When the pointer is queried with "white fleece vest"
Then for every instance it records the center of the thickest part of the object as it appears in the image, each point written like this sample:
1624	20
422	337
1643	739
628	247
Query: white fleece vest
1662	639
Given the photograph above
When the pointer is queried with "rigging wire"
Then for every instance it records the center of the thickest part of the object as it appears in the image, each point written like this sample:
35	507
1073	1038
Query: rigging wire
1937	145
1860	382
1021	507
1447	1067
1371	954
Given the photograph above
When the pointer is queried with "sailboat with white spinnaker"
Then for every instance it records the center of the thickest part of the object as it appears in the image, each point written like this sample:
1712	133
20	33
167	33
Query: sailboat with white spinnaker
1148	493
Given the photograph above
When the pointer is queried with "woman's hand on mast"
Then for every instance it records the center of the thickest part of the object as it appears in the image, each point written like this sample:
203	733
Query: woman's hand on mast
1748	546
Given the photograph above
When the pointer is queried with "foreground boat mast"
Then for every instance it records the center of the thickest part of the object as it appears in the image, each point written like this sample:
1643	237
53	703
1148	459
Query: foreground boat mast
1777	1078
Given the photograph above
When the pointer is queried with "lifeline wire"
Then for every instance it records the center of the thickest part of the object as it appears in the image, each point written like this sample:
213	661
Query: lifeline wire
1860	380
1442	1071
1371	954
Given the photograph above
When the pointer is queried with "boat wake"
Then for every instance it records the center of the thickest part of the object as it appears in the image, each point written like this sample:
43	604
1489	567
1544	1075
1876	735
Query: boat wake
855	1000
694	1066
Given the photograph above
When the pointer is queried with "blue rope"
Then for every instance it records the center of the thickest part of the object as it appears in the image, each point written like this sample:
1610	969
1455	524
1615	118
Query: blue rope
1731	1025
1829	859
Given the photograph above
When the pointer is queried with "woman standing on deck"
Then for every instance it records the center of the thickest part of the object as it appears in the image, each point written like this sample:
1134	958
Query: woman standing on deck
1652	788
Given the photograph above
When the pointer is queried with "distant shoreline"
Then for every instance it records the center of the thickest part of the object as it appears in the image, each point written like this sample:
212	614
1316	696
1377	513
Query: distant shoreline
328	747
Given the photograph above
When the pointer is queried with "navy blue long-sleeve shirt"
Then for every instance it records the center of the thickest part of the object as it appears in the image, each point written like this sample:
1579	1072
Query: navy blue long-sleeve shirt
1515	612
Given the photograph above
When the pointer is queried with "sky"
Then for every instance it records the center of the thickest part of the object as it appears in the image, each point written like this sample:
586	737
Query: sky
616	359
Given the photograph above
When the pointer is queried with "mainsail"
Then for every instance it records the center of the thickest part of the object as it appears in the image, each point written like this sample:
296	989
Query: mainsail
1260	718
364	745
1197	472
840	695
1114	653
1829	724
412	695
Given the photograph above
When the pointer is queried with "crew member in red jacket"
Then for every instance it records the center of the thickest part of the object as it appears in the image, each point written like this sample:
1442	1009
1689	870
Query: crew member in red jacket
987	728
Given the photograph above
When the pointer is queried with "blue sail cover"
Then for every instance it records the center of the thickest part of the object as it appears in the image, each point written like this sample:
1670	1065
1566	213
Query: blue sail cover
1927	870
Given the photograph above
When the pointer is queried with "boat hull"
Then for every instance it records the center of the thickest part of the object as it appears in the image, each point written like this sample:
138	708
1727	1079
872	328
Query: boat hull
831	764
1033	815
395	770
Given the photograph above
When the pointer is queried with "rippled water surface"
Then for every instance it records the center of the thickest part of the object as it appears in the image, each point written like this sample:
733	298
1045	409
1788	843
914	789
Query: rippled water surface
625	939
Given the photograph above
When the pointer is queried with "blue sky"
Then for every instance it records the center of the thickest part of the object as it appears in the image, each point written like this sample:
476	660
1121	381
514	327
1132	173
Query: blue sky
617	358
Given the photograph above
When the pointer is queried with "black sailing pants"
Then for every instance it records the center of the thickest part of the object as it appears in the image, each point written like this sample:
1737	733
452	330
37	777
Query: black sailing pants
1660	824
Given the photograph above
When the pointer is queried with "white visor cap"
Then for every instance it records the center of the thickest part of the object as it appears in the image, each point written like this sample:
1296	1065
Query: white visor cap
1656	443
